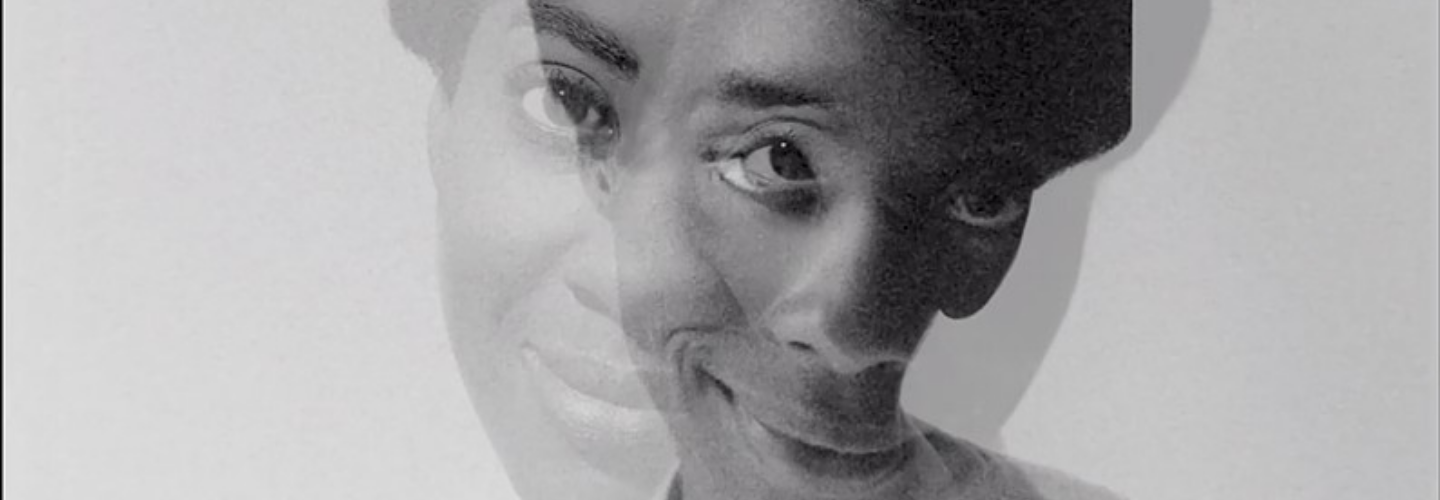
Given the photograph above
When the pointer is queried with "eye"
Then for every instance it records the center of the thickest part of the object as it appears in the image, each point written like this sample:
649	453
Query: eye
544	108
989	209
566	105
779	165
563	105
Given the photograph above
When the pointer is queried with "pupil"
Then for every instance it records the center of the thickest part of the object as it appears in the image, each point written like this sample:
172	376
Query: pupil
789	163
570	105
565	108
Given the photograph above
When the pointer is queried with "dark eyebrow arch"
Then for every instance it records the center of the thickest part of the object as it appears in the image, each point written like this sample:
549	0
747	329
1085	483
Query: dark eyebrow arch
585	34
757	92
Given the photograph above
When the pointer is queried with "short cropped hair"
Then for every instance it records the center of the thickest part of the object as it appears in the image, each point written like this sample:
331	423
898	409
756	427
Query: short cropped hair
1050	80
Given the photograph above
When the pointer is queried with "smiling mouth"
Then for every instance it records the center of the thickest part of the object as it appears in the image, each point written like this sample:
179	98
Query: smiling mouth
812	456
612	381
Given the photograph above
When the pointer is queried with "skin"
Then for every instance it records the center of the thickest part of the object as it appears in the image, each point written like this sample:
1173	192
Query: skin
526	268
779	296
743	227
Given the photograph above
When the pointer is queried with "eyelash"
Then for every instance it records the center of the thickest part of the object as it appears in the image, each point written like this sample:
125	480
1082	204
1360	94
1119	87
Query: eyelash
750	140
552	78
782	195
803	197
790	197
1016	205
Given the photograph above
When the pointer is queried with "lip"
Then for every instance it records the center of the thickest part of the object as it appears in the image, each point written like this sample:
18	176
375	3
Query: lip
575	379
824	433
587	355
611	381
806	460
625	442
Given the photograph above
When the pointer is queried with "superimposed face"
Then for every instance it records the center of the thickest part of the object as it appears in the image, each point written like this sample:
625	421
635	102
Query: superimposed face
754	207
795	197
528	275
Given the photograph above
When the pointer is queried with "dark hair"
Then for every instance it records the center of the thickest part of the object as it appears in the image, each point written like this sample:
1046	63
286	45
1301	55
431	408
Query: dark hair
1050	78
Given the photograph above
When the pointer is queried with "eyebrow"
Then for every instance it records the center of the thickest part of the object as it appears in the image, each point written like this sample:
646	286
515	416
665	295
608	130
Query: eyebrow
756	92
585	34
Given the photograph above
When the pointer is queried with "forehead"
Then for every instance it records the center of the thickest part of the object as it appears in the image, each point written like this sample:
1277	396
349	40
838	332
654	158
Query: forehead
860	57
886	88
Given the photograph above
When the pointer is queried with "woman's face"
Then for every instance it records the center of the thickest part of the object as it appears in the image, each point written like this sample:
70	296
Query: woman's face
529	275
795	197
773	197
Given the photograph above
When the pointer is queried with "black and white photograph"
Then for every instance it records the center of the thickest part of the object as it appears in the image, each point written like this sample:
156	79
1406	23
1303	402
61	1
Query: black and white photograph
721	249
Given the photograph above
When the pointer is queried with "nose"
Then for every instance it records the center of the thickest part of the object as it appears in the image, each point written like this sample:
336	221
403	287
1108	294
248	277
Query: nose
858	302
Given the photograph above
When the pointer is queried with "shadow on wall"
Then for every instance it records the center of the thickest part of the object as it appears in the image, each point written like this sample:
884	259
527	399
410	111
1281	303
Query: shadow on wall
973	373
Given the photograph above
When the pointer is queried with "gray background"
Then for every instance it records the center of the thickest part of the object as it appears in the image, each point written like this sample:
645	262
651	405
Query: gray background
219	284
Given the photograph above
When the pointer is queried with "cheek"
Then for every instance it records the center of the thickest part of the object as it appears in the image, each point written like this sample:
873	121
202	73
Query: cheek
505	217
507	208
666	280
973	269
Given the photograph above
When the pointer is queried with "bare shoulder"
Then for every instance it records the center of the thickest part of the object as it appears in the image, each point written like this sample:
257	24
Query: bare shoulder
982	474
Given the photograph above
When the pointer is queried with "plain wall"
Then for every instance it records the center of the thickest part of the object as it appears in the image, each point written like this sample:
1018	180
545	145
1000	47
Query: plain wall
218	265
1256	311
